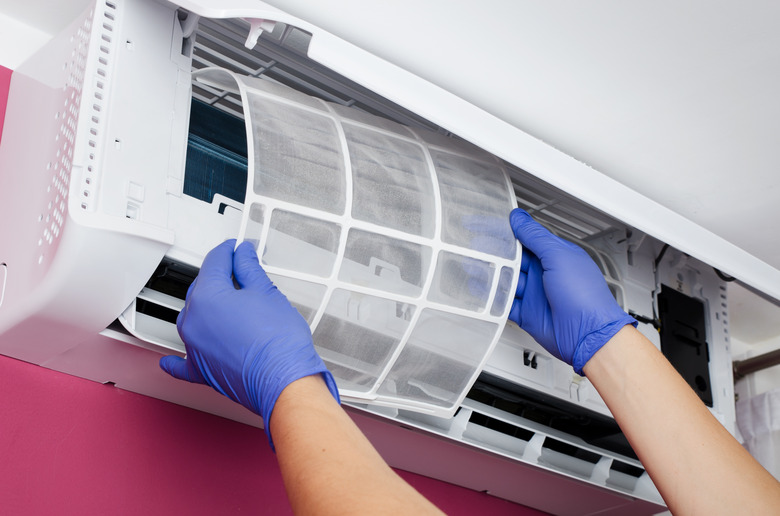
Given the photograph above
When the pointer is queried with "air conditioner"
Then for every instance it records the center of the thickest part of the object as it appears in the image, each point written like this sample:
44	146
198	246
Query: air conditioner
121	170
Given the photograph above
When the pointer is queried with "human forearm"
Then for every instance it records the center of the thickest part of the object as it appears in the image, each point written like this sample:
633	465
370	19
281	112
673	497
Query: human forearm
698	467
251	345
563	301
328	465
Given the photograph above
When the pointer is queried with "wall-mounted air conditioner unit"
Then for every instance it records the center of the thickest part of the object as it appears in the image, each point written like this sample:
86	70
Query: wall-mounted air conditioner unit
122	168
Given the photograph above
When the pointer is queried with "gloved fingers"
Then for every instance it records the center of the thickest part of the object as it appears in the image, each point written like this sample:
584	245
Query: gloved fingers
218	264
522	280
529	266
180	368
191	288
514	312
247	269
531	234
529	287
525	260
182	315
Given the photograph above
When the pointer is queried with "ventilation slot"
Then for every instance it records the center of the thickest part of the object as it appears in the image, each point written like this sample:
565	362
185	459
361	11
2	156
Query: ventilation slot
563	214
624	476
89	184
156	311
59	165
152	317
517	401
172	279
502	431
568	458
486	430
724	313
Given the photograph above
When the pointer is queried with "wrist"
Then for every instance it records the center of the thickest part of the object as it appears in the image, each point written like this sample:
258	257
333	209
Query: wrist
617	356
590	345
268	378
309	393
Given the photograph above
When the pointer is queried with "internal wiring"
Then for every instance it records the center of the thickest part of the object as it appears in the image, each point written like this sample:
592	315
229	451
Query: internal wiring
660	255
654	321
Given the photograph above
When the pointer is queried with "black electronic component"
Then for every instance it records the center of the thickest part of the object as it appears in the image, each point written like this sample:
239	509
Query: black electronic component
684	339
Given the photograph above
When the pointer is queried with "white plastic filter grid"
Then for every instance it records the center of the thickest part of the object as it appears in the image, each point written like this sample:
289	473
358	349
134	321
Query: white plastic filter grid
373	311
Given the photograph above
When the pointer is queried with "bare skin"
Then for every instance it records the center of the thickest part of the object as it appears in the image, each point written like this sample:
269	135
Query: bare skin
696	464
328	465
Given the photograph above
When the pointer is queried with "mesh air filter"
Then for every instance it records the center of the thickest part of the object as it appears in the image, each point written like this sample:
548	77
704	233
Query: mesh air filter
393	243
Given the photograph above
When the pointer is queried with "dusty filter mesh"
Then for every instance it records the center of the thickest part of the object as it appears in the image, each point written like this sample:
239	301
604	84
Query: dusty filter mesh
393	243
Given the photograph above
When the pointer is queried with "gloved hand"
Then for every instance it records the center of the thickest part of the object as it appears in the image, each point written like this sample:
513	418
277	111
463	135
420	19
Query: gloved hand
562	299
247	343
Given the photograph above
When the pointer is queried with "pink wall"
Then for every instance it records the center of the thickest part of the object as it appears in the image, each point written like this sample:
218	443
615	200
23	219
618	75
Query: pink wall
73	446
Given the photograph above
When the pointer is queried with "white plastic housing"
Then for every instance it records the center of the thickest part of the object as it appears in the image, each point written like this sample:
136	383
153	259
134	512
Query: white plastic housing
84	192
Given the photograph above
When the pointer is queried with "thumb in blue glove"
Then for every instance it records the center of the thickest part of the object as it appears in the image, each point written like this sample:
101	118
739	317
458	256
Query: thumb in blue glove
562	299
248	343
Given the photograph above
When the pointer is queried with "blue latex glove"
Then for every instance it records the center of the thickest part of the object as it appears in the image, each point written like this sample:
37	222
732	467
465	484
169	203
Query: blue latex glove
248	343
562	299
